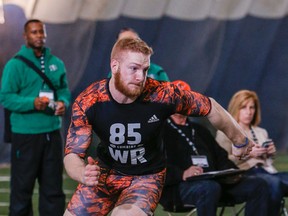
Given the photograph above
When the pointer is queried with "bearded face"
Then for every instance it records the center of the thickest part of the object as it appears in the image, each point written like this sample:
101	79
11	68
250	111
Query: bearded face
127	88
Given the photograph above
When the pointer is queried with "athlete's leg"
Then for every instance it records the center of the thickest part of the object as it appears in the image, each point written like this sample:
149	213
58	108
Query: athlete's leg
142	196
92	200
67	213
127	210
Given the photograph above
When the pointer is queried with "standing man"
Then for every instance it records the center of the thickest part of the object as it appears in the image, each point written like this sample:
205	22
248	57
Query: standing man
37	150
127	113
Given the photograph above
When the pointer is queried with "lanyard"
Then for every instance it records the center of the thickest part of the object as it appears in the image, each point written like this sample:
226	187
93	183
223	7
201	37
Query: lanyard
254	136
184	135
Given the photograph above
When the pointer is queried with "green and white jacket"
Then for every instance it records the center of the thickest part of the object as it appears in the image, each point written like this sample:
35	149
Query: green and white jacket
20	85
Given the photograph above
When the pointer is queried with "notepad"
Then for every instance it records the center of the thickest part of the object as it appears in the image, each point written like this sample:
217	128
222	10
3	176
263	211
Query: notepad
216	174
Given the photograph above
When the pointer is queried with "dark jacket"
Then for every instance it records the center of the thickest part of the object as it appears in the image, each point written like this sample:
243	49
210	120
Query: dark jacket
178	152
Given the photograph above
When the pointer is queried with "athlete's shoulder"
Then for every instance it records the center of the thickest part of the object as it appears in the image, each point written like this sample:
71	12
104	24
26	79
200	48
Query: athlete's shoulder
156	85
157	90
96	92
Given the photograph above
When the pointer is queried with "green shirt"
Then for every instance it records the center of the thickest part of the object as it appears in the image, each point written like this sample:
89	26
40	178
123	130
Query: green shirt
20	85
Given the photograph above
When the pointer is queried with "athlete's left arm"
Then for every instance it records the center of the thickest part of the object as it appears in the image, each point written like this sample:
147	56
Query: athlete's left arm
223	121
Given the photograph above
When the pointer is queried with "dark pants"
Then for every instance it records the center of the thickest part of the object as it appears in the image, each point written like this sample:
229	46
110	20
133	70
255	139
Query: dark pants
206	195
278	187
37	156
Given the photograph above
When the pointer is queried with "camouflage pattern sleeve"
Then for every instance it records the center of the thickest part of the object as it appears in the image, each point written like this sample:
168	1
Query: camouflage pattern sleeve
191	103
79	133
186	102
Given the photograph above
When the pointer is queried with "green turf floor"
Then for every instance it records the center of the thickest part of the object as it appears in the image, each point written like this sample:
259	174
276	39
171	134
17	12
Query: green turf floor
281	163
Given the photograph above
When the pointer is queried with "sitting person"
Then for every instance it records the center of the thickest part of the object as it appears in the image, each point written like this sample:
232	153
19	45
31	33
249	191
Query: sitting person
244	106
155	71
186	143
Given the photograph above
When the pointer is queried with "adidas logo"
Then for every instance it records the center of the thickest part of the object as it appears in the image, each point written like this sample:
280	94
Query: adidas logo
153	119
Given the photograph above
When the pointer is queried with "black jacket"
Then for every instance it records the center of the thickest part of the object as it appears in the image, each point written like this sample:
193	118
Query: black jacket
178	152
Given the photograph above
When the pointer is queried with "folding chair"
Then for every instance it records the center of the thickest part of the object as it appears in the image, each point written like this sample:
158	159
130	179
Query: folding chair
225	203
175	205
283	210
190	209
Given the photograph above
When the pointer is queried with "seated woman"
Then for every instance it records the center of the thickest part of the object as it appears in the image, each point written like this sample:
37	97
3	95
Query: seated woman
244	106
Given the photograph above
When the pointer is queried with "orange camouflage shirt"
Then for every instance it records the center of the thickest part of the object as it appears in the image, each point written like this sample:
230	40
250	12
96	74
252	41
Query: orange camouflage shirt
130	134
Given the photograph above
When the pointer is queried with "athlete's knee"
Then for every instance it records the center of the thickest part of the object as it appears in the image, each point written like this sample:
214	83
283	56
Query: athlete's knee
128	210
67	213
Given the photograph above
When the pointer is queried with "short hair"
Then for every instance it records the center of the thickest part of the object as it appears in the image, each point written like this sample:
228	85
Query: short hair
31	21
239	99
132	45
125	29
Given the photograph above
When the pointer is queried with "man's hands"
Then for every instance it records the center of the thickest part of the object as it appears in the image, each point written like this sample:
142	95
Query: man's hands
91	173
41	103
192	171
60	108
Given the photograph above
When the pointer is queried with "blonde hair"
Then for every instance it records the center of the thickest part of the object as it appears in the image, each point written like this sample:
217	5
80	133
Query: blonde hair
132	45
239	99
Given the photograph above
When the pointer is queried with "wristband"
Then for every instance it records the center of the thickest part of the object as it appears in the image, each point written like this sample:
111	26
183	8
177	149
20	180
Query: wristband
242	145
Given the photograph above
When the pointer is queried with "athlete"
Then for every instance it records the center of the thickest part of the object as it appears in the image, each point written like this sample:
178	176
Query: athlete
127	112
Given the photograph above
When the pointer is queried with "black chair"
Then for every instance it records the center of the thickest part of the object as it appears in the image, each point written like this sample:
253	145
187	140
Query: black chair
190	209
174	204
235	212
283	210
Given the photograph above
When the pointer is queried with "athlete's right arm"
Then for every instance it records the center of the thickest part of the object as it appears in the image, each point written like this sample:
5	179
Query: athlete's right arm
76	168
223	121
